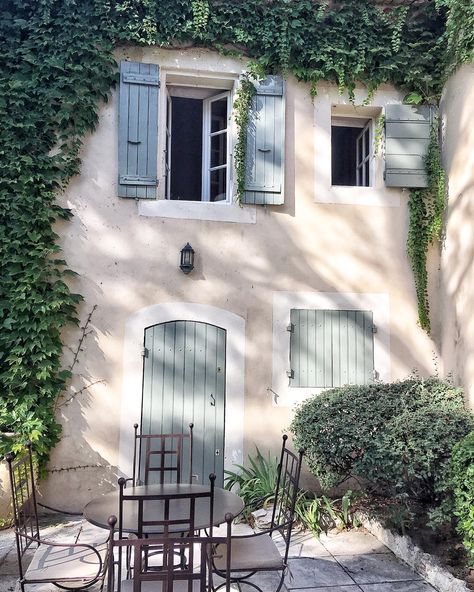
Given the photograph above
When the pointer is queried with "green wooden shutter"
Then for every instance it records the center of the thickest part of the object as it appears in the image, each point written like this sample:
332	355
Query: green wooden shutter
330	348
407	135
266	144
183	382
138	130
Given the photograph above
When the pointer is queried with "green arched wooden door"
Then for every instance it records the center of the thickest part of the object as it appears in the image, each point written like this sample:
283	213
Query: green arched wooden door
183	382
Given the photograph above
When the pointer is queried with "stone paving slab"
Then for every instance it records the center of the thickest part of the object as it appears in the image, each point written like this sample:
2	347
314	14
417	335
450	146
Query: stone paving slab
375	568
398	587
348	588
353	542
307	572
351	561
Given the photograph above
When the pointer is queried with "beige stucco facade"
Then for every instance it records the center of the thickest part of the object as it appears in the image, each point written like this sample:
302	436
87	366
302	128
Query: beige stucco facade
457	256
337	248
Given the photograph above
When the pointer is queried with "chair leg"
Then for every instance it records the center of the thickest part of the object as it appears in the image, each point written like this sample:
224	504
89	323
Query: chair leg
244	580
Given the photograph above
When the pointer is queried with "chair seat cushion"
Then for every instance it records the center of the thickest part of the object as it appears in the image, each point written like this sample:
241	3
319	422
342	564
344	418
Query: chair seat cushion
251	553
178	586
63	564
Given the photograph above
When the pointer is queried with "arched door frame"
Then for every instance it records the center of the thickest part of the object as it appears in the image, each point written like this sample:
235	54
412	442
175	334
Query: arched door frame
133	372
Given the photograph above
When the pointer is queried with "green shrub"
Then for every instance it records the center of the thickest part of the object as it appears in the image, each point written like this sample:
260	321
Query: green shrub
396	437
462	482
256	482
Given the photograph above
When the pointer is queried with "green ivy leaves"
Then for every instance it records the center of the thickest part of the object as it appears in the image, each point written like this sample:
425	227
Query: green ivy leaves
57	65
426	208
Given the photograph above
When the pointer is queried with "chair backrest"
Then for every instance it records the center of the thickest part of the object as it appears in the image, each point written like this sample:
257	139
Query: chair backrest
286	493
155	511
164	455
25	511
198	565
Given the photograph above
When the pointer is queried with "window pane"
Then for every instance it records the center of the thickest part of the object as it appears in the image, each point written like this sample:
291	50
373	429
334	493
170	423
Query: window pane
366	142
218	150
218	184
366	164
218	115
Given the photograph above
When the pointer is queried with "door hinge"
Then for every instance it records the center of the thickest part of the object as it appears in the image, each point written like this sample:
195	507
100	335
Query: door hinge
290	373
145	352
375	375
290	328
374	328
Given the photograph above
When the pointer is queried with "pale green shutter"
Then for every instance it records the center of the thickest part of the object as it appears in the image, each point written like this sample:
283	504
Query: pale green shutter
330	348
407	135
266	144
138	130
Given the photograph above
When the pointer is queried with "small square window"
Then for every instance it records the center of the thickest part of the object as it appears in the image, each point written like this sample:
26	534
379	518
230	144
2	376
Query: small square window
351	151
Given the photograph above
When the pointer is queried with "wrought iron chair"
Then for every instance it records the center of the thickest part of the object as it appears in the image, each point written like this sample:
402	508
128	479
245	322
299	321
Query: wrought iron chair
169	450
165	513
67	565
259	552
195	576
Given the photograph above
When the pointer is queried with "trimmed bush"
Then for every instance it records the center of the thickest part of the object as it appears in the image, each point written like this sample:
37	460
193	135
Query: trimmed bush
397	437
462	482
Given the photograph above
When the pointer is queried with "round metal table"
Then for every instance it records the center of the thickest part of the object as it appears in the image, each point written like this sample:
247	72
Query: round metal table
98	510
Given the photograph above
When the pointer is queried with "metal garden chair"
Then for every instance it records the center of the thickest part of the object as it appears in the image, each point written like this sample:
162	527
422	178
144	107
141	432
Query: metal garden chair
259	552
195	576
67	565
165	514
169	450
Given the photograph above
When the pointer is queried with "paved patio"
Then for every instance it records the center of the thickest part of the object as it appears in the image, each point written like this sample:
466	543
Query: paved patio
353	561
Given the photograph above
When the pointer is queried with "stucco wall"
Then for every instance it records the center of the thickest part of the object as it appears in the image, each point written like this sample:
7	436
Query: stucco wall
457	261
127	262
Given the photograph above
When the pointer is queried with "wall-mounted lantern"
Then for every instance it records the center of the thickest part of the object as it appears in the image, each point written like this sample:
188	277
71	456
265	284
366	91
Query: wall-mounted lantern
187	259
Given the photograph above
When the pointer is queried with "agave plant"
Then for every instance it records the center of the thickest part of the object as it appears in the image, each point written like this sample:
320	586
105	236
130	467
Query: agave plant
256	482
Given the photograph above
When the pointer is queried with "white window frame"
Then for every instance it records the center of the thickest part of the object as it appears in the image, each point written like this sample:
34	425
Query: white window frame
206	143
366	124
363	155
330	104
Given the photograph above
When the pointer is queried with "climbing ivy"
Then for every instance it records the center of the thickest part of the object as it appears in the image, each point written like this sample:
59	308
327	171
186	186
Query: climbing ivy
426	207
57	65
245	93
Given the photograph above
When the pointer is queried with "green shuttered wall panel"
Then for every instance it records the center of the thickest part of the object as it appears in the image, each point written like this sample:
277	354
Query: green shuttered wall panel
330	348
138	130
266	144
183	382
407	136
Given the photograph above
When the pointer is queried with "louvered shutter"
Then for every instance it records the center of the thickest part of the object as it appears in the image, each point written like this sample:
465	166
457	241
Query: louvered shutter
138	130
330	348
407	135
266	144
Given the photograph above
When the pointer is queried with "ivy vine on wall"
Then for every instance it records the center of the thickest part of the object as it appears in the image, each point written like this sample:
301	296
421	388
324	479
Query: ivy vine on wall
426	207
57	65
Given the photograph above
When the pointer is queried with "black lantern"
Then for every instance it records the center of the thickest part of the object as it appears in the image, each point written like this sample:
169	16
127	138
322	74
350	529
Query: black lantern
187	259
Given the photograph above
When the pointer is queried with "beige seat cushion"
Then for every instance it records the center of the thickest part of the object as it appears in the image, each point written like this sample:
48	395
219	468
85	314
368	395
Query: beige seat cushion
59	564
250	553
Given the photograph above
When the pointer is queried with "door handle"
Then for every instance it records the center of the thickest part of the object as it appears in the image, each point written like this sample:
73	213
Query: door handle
213	400
263	149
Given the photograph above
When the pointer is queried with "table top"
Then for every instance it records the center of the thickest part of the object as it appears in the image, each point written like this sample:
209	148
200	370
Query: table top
98	510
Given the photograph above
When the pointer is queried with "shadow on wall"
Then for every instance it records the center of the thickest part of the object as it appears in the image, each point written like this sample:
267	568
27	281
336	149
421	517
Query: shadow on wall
126	262
457	260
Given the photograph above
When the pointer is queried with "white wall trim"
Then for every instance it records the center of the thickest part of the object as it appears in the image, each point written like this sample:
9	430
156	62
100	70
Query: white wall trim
377	195
133	370
283	302
198	210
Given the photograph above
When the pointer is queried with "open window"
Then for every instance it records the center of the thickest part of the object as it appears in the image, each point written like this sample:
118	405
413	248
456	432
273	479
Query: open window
197	153
351	151
175	137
